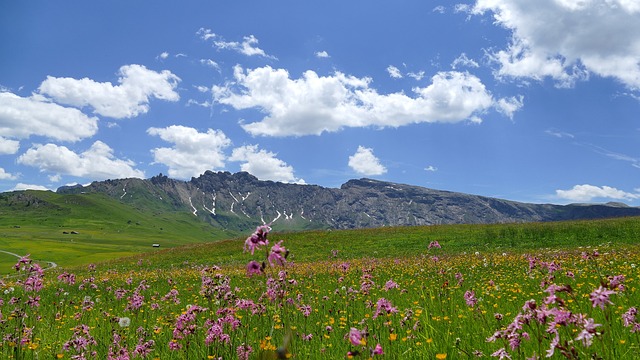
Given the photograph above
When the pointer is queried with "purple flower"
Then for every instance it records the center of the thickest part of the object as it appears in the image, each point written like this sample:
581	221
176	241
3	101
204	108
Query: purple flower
355	336
434	244
629	318
501	354
244	351
254	268
588	331
600	297
377	350
257	239
383	306
278	254
470	298
390	285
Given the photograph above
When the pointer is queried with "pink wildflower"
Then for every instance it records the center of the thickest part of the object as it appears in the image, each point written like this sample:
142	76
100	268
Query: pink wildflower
257	239
278	254
254	268
600	297
355	336
434	244
470	298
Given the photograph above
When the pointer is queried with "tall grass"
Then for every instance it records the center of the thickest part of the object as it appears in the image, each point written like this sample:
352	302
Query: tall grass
350	298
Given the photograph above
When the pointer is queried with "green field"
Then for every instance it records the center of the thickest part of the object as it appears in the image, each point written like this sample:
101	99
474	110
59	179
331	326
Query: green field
373	293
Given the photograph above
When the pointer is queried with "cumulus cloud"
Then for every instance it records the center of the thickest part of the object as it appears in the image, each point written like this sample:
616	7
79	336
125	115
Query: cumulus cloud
22	117
8	147
365	163
248	46
22	186
97	163
589	192
322	54
508	106
210	63
394	72
5	175
137	85
577	38
416	75
315	104
192	153
464	61
264	164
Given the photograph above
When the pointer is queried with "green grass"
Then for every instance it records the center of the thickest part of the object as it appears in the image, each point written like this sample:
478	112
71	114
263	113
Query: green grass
80	229
501	266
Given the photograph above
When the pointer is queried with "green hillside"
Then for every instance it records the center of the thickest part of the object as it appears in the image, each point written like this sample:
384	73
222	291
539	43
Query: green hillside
78	229
401	242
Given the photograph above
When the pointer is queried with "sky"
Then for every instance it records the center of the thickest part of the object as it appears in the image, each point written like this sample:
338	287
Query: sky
532	101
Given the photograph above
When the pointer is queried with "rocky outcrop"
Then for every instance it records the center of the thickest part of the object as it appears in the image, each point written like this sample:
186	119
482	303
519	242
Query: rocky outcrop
240	200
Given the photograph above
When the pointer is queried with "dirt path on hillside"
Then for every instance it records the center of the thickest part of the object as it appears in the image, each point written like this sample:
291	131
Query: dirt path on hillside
51	263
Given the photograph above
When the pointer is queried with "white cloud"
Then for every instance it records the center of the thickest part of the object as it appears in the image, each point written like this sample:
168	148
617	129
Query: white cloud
21	186
248	46
394	72
22	117
131	98
439	9
164	55
589	192
575	38
210	63
431	168
559	134
263	164
322	54
418	76
313	104
97	163
463	60
8	147
365	163
192	153
508	106
5	175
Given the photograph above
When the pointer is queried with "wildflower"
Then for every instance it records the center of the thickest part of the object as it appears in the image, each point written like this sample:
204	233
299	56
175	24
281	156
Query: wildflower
254	268
257	239
588	331
434	244
377	350
501	354
278	254
600	297
629	317
244	351
441	356
390	285
124	322
383	306
355	336
470	298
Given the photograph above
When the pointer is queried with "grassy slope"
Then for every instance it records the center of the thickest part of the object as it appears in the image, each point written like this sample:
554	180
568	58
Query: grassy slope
410	241
106	228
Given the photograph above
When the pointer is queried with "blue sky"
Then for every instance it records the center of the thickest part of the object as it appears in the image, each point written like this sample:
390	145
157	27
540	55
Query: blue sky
478	97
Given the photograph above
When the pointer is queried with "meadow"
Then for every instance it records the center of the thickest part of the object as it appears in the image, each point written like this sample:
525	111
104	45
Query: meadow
512	291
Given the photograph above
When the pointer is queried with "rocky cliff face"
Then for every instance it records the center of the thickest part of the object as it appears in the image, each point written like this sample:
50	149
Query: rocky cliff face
240	200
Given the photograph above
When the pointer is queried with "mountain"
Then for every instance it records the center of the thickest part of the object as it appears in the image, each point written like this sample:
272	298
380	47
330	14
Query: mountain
237	202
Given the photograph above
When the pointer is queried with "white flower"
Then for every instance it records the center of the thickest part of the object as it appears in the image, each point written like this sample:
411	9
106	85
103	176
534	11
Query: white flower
124	322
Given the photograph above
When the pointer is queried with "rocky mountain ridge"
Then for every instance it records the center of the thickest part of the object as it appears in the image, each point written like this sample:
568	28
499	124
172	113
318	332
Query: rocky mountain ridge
235	201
